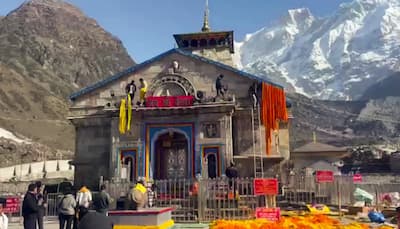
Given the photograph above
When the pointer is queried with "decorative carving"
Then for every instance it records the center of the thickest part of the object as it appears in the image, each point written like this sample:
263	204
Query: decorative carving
175	66
167	81
211	130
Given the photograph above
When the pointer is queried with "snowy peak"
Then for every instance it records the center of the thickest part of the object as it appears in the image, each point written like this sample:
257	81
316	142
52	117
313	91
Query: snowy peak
271	41
336	57
298	17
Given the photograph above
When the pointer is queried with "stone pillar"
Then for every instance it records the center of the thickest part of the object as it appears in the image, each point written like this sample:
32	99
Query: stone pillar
115	171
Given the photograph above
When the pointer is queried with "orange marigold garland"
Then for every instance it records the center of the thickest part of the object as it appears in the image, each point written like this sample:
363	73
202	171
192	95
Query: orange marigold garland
273	110
309	222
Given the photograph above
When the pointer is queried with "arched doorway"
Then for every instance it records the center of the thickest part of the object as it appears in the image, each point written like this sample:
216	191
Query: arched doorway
212	165
171	156
129	163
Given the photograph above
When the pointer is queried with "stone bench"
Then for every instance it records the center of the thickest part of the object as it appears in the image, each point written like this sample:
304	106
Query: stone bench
154	218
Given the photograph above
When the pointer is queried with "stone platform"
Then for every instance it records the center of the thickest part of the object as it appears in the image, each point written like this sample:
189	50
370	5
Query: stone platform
154	218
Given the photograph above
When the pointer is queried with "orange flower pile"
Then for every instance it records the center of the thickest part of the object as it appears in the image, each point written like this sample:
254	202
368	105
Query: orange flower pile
308	222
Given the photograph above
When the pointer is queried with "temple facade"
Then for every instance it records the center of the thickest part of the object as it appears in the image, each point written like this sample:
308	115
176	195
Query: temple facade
184	128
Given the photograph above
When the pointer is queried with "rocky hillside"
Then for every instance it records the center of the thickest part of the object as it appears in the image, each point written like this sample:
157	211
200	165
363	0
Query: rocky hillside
336	57
345	123
48	49
386	87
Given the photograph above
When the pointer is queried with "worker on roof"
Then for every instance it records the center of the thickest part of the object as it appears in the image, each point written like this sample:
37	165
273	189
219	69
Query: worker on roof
143	90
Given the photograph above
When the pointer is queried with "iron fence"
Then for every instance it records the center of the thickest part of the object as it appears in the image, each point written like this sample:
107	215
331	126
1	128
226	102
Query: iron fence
53	200
206	200
221	198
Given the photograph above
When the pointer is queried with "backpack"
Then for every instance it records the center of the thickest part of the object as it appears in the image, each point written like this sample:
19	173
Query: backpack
60	204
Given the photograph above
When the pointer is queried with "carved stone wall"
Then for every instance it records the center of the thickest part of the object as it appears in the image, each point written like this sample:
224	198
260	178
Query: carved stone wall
220	55
92	154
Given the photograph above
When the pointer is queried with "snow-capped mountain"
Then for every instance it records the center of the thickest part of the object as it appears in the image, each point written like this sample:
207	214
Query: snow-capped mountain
337	57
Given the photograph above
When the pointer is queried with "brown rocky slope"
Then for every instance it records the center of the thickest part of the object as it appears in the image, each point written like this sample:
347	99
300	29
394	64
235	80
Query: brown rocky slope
48	49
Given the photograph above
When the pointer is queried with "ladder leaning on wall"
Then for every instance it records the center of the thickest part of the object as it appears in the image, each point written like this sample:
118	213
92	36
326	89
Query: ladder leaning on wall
257	157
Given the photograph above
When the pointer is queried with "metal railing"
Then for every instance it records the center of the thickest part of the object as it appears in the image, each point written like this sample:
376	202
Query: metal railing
53	199
206	200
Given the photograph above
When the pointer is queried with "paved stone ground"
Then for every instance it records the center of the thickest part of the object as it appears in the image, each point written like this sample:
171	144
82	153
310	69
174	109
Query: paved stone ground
54	225
47	225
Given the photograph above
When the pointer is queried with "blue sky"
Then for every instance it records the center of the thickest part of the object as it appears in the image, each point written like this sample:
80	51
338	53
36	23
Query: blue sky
146	26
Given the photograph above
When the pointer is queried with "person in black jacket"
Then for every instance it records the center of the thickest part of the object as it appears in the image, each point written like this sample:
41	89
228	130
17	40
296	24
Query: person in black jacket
219	86
131	90
232	173
103	201
30	207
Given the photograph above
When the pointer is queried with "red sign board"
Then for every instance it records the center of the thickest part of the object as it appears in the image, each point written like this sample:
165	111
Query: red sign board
12	205
169	101
265	186
325	176
271	214
357	178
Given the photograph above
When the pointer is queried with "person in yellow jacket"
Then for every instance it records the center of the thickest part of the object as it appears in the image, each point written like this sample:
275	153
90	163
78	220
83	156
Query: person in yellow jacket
138	196
143	90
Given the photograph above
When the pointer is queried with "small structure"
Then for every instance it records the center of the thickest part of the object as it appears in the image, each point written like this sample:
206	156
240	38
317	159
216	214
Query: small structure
318	156
157	218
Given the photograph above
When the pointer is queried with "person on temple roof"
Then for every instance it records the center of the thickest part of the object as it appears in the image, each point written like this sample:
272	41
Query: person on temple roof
143	90
131	89
219	86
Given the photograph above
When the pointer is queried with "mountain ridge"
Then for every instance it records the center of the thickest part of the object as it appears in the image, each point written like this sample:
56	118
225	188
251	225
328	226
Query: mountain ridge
335	57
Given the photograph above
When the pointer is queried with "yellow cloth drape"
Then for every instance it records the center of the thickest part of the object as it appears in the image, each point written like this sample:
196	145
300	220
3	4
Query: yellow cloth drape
128	127
273	110
122	117
141	188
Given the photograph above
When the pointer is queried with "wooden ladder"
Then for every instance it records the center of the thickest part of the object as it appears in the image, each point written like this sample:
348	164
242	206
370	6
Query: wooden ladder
258	156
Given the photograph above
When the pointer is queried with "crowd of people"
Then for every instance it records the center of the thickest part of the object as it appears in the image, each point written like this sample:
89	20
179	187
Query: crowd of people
73	210
76	211
81	210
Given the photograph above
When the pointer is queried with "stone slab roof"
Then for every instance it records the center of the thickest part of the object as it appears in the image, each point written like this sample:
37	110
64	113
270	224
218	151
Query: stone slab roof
317	147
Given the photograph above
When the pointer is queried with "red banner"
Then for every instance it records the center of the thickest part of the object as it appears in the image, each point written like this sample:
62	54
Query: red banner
357	178
12	205
271	214
325	176
265	186
169	101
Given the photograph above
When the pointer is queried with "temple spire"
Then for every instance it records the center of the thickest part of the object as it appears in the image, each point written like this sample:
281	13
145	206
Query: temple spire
206	27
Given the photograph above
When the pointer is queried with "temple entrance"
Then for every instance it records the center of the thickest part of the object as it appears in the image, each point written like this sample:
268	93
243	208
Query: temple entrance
171	156
128	165
212	166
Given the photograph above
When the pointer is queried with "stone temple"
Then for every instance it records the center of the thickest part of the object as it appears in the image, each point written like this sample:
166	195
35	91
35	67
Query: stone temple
184	128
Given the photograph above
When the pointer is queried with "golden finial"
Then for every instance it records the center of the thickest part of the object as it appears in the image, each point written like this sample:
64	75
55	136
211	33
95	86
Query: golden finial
206	27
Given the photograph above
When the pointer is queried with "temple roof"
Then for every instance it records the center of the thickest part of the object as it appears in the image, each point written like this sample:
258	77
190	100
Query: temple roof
137	67
221	39
316	147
